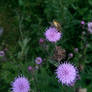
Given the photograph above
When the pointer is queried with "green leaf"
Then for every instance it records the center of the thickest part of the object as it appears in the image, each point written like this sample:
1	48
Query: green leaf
90	2
21	3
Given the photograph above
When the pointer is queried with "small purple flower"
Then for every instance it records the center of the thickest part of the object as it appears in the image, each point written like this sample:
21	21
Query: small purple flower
38	60
90	27
52	34
70	55
2	53
21	84
76	50
1	31
41	40
66	73
82	22
29	68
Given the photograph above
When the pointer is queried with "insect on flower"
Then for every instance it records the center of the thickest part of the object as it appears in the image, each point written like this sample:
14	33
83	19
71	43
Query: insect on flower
52	34
56	25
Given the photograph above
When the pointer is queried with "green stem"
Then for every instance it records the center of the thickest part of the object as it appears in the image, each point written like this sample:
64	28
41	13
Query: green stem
35	81
20	27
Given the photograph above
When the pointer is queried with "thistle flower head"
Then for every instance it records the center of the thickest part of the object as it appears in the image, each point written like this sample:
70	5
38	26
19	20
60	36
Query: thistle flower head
66	73
76	50
41	40
29	68
82	22
38	60
52	34
90	27
1	31
2	53
20	84
70	55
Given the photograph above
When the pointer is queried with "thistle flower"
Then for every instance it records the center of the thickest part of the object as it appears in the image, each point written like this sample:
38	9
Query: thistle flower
66	73
82	22
1	31
21	84
38	60
90	27
76	50
52	34
29	68
2	53
41	40
70	55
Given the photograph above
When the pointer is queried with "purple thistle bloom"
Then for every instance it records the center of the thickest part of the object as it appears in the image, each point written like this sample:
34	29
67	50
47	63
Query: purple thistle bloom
1	31
21	84
2	53
82	22
41	40
76	50
29	68
70	55
38	60
66	73
52	34
90	27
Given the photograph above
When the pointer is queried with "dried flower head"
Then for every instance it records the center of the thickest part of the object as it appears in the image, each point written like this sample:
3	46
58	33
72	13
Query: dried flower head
66	73
21	84
52	34
59	54
82	90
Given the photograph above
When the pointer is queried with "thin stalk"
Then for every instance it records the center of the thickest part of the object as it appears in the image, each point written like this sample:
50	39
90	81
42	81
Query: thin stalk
35	81
20	26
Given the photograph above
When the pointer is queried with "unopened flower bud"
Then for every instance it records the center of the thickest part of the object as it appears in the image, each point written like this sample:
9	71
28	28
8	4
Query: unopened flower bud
70	55
29	68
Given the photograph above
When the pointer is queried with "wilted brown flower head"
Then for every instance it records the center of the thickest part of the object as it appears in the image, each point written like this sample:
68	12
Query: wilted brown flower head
82	89
59	54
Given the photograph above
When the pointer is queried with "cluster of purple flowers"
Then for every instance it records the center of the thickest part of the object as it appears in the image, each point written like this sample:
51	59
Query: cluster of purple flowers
89	24
90	27
66	72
